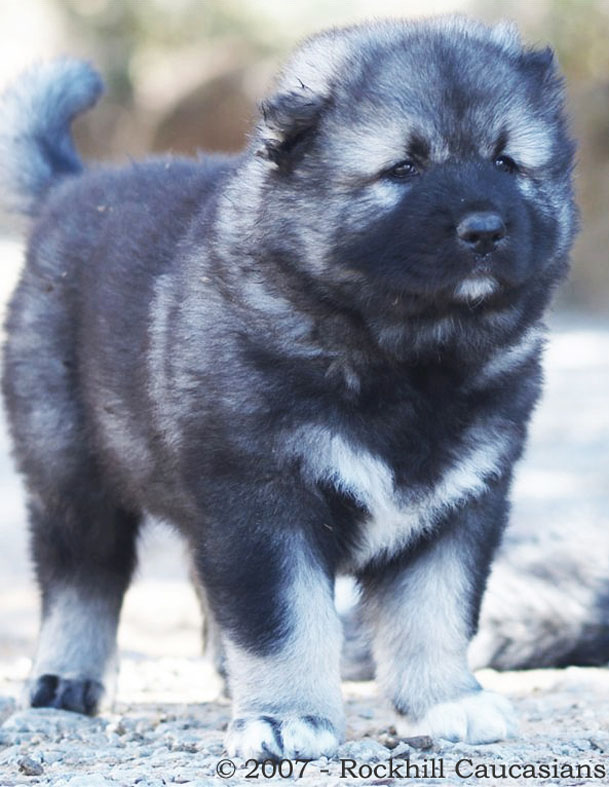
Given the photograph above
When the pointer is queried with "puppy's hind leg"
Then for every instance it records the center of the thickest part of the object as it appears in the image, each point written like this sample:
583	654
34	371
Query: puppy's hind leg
84	553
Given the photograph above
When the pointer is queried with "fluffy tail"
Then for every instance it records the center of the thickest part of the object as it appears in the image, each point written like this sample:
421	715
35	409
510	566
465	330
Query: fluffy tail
36	146
547	603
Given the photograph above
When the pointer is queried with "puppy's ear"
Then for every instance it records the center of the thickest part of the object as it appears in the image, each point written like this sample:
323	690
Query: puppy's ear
542	71
542	61
291	116
288	122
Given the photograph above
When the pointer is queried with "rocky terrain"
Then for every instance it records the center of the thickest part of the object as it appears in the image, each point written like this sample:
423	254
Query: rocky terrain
153	741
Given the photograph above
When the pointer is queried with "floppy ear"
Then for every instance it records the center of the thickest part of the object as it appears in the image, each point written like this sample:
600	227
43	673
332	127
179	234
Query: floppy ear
541	67
290	117
288	122
543	61
539	61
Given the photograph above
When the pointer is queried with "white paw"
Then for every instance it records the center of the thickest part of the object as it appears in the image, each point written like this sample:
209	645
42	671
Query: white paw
480	717
268	737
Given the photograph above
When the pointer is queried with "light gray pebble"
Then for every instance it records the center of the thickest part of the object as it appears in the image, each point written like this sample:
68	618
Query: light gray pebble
563	750
30	767
50	756
582	744
187	748
117	727
364	750
599	744
401	751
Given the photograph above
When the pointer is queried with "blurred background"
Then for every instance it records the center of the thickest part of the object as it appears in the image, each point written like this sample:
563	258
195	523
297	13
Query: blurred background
184	75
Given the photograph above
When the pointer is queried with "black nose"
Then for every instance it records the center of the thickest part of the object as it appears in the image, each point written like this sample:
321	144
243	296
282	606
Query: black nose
481	231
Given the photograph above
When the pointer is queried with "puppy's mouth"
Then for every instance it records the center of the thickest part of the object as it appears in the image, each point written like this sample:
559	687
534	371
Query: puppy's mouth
475	288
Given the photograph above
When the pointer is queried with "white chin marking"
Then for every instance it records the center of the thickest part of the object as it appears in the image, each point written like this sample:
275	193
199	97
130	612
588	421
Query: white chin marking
480	717
476	288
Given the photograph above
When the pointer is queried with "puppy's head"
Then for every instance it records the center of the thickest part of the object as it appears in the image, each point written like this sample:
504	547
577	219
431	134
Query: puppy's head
428	160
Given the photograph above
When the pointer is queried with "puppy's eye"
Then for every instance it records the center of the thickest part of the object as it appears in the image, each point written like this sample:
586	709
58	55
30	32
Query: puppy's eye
402	171
506	164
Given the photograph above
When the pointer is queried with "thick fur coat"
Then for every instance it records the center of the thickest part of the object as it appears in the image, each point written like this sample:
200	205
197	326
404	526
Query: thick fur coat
317	357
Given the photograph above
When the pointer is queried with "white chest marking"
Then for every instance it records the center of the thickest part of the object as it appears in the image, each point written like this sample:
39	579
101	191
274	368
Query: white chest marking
396	516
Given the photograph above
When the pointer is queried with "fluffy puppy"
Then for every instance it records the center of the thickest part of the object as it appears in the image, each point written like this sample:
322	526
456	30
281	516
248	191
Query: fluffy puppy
317	357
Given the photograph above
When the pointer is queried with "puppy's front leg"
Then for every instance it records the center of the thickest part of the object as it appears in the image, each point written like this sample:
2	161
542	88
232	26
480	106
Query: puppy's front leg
273	601
424	611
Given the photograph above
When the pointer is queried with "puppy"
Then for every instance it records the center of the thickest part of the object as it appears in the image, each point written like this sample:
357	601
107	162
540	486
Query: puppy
317	357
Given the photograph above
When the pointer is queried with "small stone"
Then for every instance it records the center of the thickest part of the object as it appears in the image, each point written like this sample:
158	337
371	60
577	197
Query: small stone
582	744
117	727
364	750
30	767
188	748
421	742
402	751
389	741
599	743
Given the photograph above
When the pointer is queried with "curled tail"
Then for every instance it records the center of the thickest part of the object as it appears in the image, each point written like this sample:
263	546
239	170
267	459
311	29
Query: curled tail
36	146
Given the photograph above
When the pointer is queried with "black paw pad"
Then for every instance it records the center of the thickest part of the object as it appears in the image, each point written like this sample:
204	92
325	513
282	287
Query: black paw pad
53	691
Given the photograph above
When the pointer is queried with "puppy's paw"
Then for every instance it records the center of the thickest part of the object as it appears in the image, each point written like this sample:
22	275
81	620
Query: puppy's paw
479	717
271	738
53	691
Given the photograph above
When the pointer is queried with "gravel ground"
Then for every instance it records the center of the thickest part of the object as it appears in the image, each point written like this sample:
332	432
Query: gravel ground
565	718
167	724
